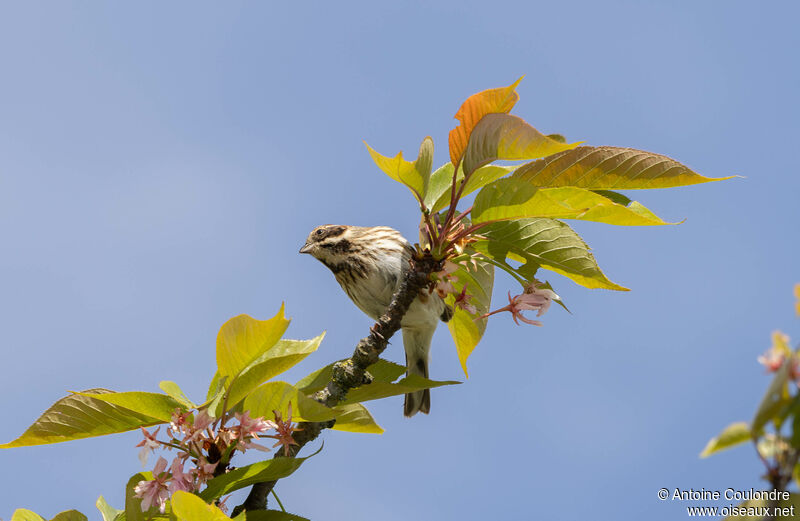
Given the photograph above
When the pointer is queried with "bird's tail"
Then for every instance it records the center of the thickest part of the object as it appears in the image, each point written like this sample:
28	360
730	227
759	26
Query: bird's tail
417	343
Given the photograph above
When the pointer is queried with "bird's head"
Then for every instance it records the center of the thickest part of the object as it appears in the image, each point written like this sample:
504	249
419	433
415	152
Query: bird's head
327	242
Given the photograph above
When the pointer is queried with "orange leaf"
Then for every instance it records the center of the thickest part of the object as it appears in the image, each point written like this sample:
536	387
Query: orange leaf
473	109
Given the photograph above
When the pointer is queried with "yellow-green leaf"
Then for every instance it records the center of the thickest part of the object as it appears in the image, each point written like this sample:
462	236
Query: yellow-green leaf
243	339
512	198
378	390
545	243
475	107
172	389
80	416
503	136
133	504
108	512
188	507
776	397
438	195
241	477
354	417
272	515
609	168
69	515
732	435
22	514
465	330
277	395
414	174
154	405
279	358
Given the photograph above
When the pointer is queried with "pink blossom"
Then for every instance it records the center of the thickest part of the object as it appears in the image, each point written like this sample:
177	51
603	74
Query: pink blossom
221	503
445	278
445	287
204	471
533	299
147	444
449	268
179	422
462	301
155	490
244	446
250	427
772	359
285	430
202	420
180	480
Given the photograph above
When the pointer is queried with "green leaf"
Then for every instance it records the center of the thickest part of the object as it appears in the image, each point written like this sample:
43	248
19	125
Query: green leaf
22	514
172	389
545	243
513	198
243	339
355	417
415	175
616	197
381	371
775	399
732	435
69	515
154	405
378	390
80	416
273	515
609	167
133	505
188	507
277	395
438	195
424	162
503	136
465	330
281	357
754	509
108	512
241	477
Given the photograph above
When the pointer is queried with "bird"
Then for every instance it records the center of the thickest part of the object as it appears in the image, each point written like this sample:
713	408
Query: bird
369	264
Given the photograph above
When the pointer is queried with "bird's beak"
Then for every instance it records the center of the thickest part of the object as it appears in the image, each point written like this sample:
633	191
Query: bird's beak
306	248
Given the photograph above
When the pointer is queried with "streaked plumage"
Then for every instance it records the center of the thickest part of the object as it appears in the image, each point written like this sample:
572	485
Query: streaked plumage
369	262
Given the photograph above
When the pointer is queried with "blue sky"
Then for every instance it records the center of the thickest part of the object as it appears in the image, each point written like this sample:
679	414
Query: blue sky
160	166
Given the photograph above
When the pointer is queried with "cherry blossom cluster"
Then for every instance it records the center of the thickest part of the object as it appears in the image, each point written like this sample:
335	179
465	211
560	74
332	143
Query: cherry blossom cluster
204	446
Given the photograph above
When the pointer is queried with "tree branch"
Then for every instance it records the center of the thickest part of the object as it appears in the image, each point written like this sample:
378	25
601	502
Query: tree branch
351	373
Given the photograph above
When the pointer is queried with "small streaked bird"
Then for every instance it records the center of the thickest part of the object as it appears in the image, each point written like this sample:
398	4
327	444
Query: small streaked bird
369	262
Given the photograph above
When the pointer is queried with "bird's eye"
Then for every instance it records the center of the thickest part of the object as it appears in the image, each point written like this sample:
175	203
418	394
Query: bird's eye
318	233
